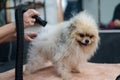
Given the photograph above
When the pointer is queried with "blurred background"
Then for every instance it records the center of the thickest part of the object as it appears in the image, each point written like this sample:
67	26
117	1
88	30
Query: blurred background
56	11
105	12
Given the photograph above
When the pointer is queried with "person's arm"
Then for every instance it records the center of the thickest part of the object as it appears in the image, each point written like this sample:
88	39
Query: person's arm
28	37
7	30
117	23
8	38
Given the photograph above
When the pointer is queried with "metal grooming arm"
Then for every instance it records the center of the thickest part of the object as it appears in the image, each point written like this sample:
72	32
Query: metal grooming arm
20	43
20	40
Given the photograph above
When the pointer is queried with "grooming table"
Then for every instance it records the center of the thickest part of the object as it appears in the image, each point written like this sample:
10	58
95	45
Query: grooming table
90	71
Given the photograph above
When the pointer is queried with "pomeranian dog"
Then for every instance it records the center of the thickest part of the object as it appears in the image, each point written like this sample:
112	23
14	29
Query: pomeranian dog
66	45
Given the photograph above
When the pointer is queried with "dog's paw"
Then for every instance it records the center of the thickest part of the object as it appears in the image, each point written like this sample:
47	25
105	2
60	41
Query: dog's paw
75	71
66	79
67	76
27	72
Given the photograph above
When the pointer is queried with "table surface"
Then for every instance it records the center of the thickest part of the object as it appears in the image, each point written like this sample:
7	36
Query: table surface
89	71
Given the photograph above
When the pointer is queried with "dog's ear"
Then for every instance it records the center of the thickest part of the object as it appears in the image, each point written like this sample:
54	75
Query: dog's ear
72	27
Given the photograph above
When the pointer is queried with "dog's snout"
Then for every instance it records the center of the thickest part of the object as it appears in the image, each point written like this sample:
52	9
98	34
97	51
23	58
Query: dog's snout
86	41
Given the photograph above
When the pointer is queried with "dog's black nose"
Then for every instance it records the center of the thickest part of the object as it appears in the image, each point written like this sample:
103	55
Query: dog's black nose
118	77
86	41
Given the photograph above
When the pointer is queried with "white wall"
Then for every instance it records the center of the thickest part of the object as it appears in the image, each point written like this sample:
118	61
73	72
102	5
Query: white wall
92	7
107	9
51	11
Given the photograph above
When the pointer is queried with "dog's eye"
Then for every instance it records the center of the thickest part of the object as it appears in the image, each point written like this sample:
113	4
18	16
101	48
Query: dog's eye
82	35
91	36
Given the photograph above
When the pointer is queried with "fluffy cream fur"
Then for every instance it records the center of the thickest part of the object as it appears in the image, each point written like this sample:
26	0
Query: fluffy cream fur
66	45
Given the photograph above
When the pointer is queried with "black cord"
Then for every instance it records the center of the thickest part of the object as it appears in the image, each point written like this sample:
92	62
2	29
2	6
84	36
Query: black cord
20	43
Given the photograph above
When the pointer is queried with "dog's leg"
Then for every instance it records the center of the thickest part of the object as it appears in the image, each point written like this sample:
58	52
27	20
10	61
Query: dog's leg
34	63
76	69
64	71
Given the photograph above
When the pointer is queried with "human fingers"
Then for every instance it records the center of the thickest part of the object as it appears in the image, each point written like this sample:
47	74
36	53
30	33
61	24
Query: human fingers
32	12
29	22
27	38
30	36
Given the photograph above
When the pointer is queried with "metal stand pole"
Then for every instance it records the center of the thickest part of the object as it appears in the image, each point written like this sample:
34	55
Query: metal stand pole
20	43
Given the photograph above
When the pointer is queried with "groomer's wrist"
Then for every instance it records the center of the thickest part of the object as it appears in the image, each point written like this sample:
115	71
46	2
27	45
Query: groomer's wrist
13	25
